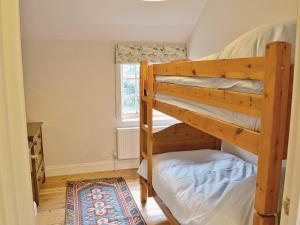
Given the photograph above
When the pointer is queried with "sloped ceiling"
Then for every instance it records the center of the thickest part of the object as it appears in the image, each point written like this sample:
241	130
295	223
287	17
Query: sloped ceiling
110	20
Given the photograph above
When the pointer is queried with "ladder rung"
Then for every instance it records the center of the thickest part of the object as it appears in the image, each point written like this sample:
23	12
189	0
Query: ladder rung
144	98
144	154
143	181
144	128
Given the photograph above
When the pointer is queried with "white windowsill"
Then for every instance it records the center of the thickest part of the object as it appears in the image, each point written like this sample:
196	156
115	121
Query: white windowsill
156	122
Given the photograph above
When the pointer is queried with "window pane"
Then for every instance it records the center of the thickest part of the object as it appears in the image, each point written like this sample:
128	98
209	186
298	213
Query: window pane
128	96
129	104
129	71
129	86
130	74
125	70
130	90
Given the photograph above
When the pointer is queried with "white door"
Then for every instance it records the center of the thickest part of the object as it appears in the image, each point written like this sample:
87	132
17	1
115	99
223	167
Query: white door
16	204
292	181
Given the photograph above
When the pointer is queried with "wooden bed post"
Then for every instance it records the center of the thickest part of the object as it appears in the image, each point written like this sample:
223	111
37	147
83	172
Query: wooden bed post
143	135
150	95
273	130
146	136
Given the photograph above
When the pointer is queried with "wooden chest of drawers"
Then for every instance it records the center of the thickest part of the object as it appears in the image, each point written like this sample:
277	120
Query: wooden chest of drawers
35	140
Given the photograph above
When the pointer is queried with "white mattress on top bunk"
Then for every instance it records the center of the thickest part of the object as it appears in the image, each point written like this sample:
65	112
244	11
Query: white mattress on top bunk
204	187
249	86
243	120
238	85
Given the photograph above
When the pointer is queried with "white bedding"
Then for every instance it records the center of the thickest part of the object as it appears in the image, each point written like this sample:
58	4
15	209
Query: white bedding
254	42
204	187
250	44
243	120
249	86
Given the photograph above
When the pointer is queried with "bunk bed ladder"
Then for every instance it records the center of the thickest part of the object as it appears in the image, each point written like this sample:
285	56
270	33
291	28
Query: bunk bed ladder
146	136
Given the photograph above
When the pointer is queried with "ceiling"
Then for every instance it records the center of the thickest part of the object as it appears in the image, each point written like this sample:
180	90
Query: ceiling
110	20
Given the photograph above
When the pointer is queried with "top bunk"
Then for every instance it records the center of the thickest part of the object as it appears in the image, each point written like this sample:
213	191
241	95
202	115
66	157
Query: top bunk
270	107
238	100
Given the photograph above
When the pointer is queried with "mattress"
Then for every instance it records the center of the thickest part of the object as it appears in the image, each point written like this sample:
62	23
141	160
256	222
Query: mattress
249	86
204	187
243	120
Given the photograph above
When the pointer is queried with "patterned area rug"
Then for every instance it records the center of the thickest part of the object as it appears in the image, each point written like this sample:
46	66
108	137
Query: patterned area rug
106	201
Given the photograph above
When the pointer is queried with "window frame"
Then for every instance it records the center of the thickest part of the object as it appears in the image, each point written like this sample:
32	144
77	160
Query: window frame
134	121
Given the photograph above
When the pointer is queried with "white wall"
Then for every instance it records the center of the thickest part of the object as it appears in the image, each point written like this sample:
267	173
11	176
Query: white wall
70	86
223	20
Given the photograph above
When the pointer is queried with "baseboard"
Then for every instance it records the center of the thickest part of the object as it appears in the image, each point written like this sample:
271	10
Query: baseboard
105	165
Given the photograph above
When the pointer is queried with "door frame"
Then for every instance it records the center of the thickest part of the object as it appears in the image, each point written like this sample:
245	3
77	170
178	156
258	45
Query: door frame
16	202
292	178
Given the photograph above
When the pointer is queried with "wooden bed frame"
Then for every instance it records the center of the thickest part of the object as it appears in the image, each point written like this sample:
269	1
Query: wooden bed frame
201	132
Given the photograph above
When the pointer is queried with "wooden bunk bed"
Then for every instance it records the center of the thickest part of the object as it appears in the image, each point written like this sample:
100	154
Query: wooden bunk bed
201	131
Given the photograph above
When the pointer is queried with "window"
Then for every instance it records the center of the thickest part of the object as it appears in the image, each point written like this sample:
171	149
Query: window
128	93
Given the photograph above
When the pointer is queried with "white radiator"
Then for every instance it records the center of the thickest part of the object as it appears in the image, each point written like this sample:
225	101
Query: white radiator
128	142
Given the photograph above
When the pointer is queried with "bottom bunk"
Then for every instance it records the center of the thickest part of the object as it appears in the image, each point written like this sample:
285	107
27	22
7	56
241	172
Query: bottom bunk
206	187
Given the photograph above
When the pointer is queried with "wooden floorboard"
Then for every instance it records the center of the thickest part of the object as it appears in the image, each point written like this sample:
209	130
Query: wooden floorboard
51	210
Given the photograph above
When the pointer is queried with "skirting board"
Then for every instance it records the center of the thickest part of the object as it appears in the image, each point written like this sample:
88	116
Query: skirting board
105	165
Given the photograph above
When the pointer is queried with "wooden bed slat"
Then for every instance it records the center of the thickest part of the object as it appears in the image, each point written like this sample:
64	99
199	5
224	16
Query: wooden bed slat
245	68
225	131
246	103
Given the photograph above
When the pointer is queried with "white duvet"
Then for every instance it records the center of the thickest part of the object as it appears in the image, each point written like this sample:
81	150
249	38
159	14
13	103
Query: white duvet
204	187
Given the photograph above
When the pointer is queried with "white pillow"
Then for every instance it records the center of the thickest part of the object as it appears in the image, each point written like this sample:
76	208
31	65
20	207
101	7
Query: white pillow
253	43
211	56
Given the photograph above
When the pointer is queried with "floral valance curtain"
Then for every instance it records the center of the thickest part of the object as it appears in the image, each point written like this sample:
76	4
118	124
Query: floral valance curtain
154	53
